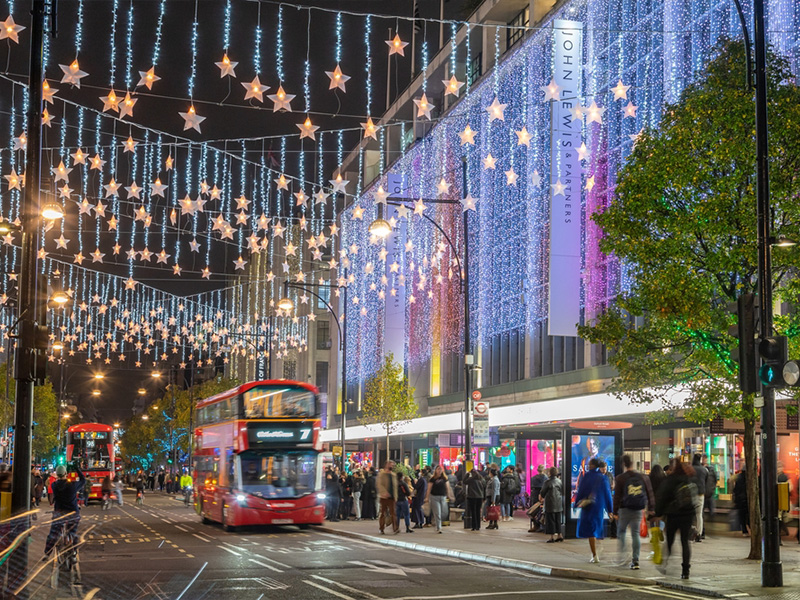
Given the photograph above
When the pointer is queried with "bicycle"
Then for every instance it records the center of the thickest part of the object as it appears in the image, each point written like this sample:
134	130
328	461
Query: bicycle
66	560
187	496
139	497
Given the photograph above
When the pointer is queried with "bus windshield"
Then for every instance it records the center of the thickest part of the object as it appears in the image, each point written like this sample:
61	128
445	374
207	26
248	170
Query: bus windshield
277	474
91	448
277	401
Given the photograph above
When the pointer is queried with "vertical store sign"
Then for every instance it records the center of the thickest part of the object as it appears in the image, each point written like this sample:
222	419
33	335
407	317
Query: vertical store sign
480	423
395	301
565	180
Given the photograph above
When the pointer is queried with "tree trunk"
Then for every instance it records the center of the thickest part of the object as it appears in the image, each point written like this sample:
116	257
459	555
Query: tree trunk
388	455
753	496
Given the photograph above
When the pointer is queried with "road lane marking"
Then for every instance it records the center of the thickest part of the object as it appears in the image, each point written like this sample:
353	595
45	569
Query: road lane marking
265	565
181	528
200	537
508	593
280	564
324	589
346	587
229	550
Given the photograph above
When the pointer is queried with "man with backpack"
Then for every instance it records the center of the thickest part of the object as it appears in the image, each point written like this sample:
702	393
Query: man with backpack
633	494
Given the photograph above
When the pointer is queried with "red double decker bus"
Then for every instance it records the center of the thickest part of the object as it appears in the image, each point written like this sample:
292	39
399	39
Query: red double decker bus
257	456
93	445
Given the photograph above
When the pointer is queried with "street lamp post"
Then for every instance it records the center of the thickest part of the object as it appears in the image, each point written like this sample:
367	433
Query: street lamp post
463	269
287	304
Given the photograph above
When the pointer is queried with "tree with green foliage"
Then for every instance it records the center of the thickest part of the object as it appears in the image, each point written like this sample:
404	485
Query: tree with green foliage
45	416
683	222
390	399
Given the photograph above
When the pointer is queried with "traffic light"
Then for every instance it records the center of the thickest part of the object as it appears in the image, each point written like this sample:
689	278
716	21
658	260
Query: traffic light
775	352
744	331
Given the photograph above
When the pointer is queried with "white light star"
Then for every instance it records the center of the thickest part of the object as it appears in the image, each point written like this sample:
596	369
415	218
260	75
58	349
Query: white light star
191	119
338	79
424	107
496	110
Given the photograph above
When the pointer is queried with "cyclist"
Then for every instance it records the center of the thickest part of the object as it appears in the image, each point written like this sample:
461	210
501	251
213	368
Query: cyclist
106	491
139	484
186	486
65	506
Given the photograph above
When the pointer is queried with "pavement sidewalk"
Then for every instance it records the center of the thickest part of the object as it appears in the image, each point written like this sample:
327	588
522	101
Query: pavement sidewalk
719	564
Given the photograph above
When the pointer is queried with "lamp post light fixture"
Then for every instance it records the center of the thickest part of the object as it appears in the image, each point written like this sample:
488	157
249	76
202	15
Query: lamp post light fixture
96	392
52	211
7	227
380	228
60	297
142	392
58	345
286	304
99	376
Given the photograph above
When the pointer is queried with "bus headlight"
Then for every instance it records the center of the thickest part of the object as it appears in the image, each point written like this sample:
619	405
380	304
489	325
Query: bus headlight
241	499
321	496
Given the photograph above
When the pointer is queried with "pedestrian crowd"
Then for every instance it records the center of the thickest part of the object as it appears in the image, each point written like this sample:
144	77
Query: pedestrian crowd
659	505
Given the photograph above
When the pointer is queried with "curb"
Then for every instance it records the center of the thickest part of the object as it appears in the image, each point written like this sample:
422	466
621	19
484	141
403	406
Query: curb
522	565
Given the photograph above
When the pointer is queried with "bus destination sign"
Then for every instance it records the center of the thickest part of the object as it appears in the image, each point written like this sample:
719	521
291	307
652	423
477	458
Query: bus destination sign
269	434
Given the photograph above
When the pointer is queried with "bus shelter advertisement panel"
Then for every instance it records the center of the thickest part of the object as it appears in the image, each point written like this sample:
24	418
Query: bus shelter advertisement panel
584	448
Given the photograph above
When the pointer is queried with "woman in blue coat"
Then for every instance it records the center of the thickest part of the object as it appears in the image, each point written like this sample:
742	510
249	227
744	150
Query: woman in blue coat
594	499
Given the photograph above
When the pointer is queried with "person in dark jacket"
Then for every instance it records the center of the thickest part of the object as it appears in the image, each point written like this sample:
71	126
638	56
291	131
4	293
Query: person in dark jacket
401	506
657	476
552	495
333	493
740	501
475	491
368	495
508	489
594	499
633	495
65	506
420	491
699	479
675	504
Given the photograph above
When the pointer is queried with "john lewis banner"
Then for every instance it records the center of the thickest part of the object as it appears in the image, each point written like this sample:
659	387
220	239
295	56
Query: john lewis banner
565	181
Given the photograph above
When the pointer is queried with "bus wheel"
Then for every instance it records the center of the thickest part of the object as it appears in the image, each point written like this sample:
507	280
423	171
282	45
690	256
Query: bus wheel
304	525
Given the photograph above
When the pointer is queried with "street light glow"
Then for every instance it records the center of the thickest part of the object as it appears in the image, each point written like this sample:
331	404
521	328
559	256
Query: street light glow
142	391
145	417
96	392
60	297
380	228
286	304
52	211
98	375
156	374
58	345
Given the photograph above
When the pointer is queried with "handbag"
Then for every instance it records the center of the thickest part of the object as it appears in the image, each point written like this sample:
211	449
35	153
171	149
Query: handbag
643	527
656	539
493	513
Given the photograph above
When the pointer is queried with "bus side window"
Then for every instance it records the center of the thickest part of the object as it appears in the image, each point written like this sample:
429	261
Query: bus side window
231	467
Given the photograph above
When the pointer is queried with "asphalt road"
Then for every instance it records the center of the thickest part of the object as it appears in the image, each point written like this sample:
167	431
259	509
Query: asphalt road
162	551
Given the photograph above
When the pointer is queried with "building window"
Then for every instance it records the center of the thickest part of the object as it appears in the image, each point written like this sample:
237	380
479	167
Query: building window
322	376
325	294
290	369
323	335
516	31
475	68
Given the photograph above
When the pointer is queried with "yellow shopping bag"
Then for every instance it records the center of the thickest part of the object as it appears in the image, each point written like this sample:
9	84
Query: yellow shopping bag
656	537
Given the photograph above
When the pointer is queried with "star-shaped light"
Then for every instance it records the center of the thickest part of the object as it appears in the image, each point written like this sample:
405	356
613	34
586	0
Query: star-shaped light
453	86
301	198
442	187
620	91
496	110
10	30
282	100
112	188
467	136
100	209
47	91
419	207
157	188
73	74
239	263
133	190
282	182
589	183
126	106
148	78
583	151
536	179
194	245
424	107
551	90
290	249
79	258
558	188
381	195
594	113
162	257
320	197
97	163
358	212
577	112
176	270
242	202
79	157
97	256
489	162
61	172
339	184
630	110
255	89
145	254
110	102
129	145
21	142
85	208
62	242
468	203
396	46
226	67
215	193
523	137
14	180
338	79
46	118
370	131
511	177
191	119
307	129
141	214
130	283
206	273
